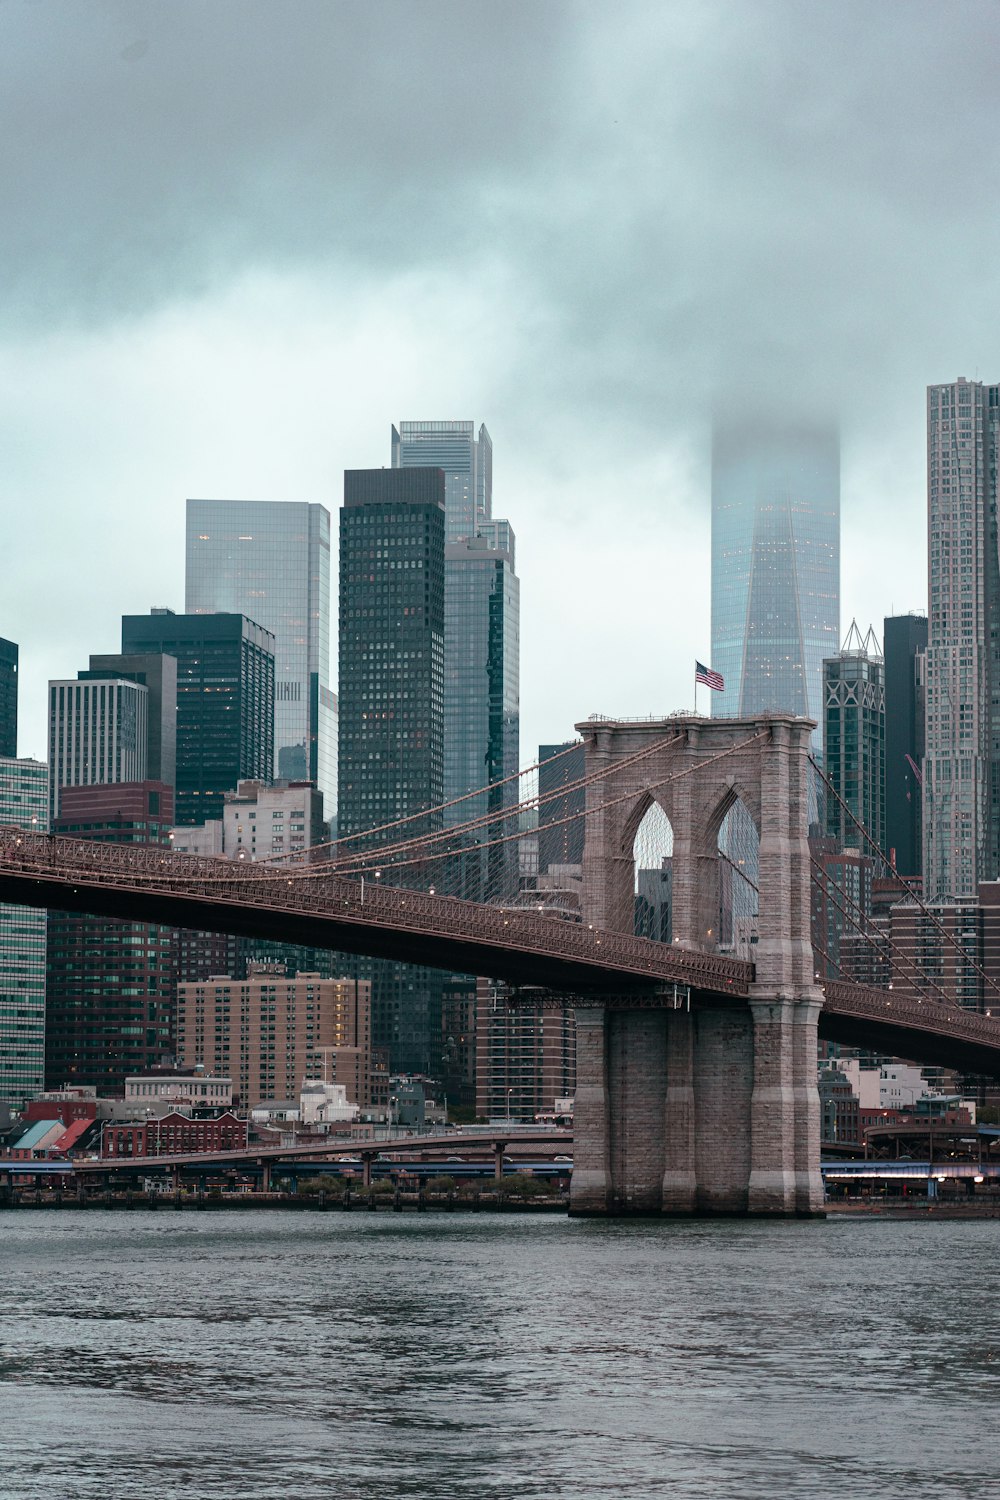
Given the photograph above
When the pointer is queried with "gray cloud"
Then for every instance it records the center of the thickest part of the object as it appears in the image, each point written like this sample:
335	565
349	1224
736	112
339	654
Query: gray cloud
640	212
703	196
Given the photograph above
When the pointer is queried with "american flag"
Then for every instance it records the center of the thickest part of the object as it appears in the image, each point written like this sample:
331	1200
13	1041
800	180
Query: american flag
713	680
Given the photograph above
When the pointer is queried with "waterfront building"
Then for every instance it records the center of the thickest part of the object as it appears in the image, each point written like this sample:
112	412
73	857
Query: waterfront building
97	733
8	699
173	1134
225	701
775	565
391	758
110	984
525	1055
905	645
158	675
854	740
271	1030
270	560
961	778
24	800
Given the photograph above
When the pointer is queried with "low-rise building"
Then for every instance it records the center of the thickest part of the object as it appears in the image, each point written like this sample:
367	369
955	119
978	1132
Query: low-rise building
272	1029
175	1134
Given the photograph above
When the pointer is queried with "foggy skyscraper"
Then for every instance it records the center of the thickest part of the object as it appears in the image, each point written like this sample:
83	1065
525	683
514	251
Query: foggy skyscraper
775	565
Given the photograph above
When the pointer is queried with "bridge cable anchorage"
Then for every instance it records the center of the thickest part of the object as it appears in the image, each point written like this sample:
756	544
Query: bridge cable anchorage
924	978
910	889
385	856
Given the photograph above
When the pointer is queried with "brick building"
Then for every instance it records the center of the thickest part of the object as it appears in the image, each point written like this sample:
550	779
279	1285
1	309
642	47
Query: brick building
271	1030
174	1134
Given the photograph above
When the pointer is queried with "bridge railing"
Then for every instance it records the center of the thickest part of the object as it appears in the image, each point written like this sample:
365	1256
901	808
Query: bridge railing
925	1014
309	891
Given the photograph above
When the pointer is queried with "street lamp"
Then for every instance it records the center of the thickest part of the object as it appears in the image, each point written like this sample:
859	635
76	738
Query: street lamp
509	1092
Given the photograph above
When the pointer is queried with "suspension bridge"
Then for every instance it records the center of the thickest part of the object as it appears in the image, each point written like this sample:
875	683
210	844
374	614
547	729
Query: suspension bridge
680	1043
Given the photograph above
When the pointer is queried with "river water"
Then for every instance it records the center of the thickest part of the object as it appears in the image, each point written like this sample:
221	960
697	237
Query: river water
276	1356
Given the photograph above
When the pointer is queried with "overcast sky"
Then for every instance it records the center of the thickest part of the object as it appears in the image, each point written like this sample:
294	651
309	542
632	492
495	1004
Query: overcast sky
240	239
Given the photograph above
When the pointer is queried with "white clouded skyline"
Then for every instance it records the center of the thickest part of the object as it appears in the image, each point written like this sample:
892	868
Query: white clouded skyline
242	239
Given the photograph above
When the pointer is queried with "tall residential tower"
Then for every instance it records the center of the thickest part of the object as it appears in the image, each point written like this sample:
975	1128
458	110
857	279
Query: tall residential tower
961	788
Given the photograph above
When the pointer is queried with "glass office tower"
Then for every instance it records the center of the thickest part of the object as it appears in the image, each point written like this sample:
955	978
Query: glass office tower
775	566
854	740
8	698
905	640
270	560
467	460
481	635
24	800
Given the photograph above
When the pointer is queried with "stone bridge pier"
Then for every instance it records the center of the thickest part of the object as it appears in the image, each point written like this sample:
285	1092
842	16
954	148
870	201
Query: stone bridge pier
711	1109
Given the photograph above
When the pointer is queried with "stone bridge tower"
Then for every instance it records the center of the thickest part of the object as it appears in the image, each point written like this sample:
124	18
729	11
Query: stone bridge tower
712	1108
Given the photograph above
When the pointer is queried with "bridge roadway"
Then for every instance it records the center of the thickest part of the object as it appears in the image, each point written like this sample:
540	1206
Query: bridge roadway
309	906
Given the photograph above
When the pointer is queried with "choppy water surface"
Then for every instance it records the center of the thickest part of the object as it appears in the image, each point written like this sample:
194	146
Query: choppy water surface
273	1356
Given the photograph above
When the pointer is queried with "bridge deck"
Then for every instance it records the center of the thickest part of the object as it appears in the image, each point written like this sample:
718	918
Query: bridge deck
317	909
311	906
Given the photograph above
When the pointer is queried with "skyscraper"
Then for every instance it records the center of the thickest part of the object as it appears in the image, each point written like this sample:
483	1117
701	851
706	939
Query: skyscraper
158	675
8	699
467	461
854	741
481	635
481	684
905	643
775	566
391	756
97	733
225	701
270	560
24	800
961	789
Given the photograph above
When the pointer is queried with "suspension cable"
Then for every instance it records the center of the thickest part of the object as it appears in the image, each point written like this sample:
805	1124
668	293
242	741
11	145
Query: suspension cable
385	852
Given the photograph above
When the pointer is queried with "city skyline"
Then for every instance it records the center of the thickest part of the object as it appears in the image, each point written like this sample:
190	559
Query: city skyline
697	249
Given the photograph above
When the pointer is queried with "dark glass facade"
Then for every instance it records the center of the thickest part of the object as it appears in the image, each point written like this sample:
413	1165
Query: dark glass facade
391	743
904	646
8	699
110	985
775	567
854	745
481	696
225	702
270	560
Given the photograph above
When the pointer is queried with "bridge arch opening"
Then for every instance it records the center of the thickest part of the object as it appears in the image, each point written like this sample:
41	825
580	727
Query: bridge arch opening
652	876
739	876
